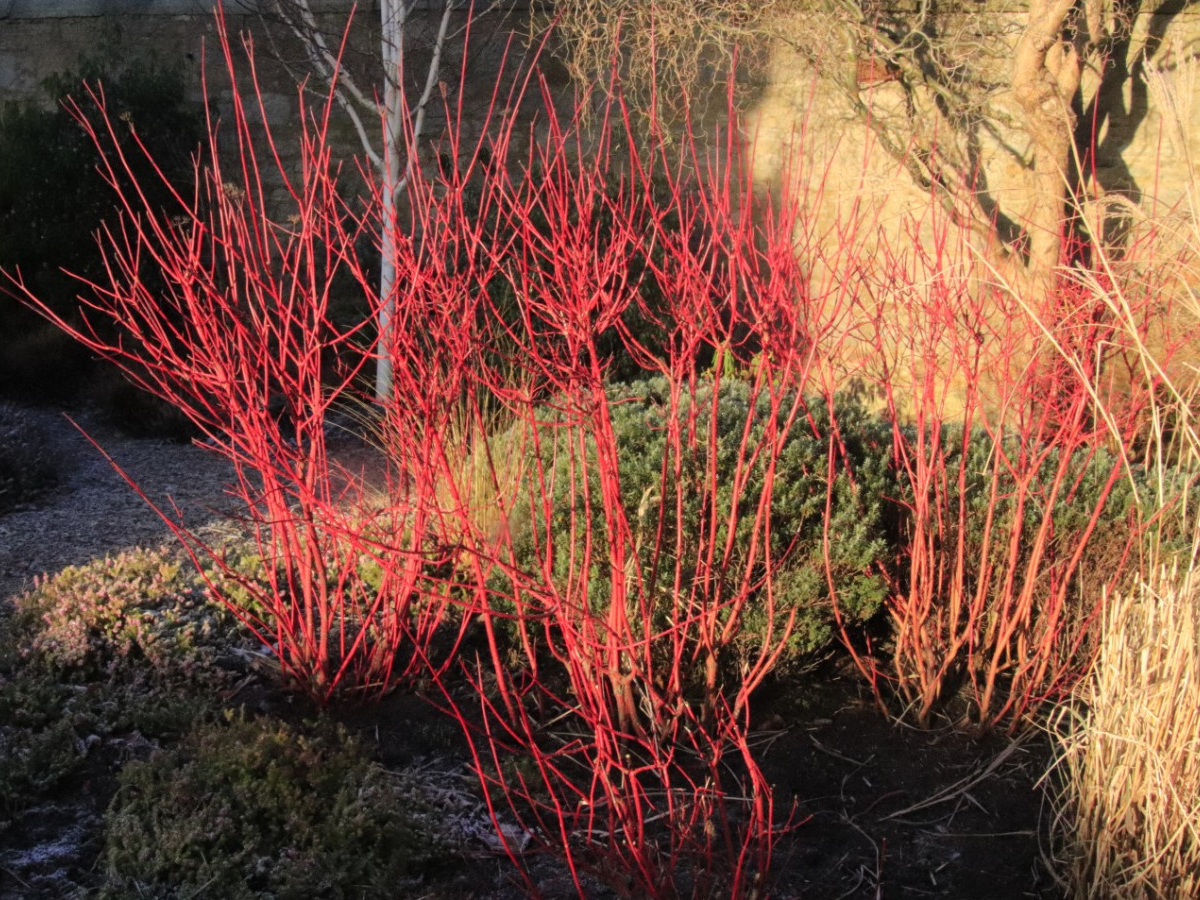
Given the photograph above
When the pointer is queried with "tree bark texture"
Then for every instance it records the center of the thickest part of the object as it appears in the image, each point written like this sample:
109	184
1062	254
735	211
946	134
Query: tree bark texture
1046	75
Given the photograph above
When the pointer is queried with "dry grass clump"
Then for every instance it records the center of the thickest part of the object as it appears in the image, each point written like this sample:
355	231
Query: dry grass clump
1132	757
480	481
1129	749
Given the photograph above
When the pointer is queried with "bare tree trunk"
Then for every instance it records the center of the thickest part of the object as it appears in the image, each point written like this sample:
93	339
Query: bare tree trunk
402	124
393	14
402	129
1046	73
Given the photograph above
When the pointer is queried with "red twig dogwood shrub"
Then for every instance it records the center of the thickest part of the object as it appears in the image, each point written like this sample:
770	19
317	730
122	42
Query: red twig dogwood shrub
223	309
1018	507
621	699
606	718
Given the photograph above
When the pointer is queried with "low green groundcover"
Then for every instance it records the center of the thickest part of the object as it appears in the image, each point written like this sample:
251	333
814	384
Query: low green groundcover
246	809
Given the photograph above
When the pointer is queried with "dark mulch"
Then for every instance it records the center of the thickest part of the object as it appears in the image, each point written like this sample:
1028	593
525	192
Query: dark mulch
891	811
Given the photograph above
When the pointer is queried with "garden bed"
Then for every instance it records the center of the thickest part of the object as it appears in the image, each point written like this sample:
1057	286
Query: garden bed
878	805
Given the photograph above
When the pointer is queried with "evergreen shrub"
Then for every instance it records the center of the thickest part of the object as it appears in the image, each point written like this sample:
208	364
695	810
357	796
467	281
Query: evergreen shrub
801	582
53	201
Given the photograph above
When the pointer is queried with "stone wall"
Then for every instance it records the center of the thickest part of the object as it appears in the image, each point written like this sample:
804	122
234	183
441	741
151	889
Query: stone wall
40	38
1146	151
1144	185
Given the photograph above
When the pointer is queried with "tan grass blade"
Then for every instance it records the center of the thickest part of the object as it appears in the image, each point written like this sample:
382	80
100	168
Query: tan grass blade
1131	757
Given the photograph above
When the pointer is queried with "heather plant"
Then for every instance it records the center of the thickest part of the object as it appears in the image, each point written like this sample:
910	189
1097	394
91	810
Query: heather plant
243	809
35	761
39	744
129	643
41	707
141	613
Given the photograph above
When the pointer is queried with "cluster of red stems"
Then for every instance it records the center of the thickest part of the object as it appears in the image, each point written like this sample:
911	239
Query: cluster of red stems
639	766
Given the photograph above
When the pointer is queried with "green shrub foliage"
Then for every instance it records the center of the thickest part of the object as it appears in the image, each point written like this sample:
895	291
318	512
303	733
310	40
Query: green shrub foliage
254	809
1034	482
52	199
34	761
801	491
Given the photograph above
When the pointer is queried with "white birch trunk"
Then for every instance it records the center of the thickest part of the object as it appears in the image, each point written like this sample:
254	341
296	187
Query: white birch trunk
393	14
402	127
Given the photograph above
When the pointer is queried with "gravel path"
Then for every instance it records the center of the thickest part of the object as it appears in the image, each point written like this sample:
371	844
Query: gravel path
93	512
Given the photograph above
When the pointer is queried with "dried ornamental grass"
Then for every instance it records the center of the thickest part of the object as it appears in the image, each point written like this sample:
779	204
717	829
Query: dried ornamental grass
481	476
1132	759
